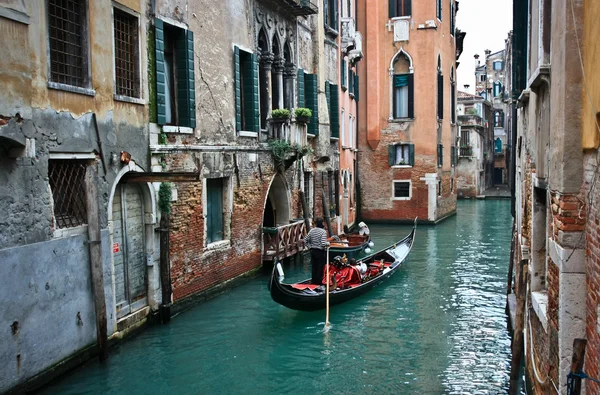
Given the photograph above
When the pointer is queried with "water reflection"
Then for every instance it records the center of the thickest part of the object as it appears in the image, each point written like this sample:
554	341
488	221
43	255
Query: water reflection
436	327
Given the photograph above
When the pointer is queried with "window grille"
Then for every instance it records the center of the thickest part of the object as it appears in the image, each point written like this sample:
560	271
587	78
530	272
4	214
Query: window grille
126	54
67	182
401	189
66	20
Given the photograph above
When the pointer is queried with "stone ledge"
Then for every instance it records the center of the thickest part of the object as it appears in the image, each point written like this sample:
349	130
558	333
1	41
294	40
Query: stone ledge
568	260
539	302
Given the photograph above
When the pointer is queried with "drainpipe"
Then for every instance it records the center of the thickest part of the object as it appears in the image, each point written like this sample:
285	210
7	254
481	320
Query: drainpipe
165	268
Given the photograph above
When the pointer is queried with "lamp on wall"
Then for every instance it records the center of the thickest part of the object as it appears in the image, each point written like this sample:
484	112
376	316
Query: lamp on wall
125	157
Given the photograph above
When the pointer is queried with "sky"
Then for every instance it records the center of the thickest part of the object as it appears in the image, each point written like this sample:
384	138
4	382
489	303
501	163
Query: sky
487	23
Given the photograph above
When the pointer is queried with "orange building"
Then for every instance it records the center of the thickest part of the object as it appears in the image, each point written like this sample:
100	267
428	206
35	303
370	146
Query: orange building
407	122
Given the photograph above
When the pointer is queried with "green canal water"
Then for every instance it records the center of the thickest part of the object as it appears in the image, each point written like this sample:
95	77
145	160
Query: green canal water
436	327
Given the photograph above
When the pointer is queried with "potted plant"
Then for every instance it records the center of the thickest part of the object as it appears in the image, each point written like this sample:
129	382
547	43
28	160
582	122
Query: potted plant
303	115
280	115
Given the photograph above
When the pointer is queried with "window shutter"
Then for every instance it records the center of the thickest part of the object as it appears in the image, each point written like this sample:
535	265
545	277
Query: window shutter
411	154
453	155
334	112
440	96
159	51
335	16
411	96
312	101
300	82
453	102
356	87
391	154
186	101
238	88
328	95
191	79
344	77
392	8
407	8
253	117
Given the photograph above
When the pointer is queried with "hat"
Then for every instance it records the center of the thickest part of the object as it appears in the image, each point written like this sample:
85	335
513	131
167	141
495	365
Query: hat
362	225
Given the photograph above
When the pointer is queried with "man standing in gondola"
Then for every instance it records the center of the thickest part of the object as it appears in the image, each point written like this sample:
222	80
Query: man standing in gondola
316	240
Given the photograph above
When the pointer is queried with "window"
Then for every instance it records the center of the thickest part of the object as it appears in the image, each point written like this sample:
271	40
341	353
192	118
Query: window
344	137
311	92
498	65
440	89
401	155
482	77
453	156
351	131
403	96
333	104
175	84
246	91
498	145
127	68
440	155
351	82
399	8
401	190
67	22
498	119
497	88
452	18
331	13
344	74
67	183
438	9
214	210
465	138
452	97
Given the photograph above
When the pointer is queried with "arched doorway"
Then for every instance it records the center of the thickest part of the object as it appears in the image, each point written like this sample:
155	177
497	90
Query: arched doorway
277	204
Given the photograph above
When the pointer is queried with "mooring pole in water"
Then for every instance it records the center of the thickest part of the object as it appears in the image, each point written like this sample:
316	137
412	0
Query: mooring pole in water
577	363
327	291
304	209
95	249
517	341
511	263
165	268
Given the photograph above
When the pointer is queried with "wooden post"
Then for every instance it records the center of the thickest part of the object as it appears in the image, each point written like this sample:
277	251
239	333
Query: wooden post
518	341
96	267
577	363
165	267
325	207
511	262
304	210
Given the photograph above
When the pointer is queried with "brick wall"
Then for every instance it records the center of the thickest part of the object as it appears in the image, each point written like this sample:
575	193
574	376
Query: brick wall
552	314
376	178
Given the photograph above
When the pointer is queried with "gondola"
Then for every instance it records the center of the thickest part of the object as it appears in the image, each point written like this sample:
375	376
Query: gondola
305	296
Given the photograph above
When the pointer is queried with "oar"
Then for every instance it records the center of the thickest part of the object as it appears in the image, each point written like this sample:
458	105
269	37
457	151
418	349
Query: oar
327	293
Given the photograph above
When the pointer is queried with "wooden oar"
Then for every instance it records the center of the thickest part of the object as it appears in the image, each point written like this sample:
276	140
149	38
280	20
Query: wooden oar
327	293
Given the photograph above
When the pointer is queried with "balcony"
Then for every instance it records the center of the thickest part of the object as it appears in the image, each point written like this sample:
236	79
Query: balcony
294	7
283	241
289	130
465	152
471	120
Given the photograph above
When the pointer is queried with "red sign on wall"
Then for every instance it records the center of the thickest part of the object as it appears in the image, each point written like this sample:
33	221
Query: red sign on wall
116	248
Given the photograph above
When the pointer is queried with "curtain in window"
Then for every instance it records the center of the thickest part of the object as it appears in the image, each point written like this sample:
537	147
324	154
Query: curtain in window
402	154
168	91
401	96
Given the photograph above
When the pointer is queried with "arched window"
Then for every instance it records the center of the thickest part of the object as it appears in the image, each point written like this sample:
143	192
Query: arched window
497	88
402	86
498	119
266	62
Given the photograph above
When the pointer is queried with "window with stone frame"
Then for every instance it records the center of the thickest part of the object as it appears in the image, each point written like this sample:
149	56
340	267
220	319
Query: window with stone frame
401	154
67	183
126	53
401	189
440	90
403	89
498	119
68	42
331	14
246	91
215	191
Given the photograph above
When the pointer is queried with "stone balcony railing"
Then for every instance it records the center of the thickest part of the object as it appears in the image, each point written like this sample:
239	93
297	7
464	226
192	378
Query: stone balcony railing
465	152
471	120
289	130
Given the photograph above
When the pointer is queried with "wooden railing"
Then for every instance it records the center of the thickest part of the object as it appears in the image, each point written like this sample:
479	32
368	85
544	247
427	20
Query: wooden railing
283	241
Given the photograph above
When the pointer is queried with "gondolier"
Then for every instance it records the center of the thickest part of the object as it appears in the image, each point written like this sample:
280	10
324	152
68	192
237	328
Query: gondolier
316	240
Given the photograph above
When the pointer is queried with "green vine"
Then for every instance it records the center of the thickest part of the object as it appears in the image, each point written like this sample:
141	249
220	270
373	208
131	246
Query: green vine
164	197
280	150
162	138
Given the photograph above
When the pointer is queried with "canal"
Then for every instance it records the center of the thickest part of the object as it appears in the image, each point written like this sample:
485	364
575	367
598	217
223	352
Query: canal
436	327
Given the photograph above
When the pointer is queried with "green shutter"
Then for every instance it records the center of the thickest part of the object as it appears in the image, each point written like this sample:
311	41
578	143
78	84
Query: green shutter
351	81
312	101
214	200
335	16
300	88
159	45
411	95
328	96
392	8
191	85
344	76
238	88
251	110
334	110
411	154
391	155
356	87
186	101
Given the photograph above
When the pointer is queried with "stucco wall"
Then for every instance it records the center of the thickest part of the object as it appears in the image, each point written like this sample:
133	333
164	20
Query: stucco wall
46	296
